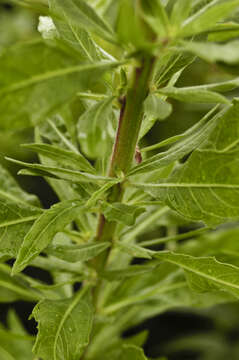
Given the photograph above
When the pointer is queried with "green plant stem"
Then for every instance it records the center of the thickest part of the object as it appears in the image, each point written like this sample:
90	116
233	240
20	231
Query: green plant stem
130	121
127	136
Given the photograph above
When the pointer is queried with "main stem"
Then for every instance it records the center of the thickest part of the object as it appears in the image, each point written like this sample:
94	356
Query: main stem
127	135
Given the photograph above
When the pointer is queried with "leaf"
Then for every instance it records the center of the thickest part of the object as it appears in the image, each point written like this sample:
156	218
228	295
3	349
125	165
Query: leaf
208	16
59	173
171	64
180	12
205	273
155	15
73	160
212	52
28	82
122	213
64	327
80	12
43	230
92	128
135	250
15	288
10	190
15	221
75	36
75	253
126	272
205	187
154	109
17	212
194	94
132	352
191	139
224	32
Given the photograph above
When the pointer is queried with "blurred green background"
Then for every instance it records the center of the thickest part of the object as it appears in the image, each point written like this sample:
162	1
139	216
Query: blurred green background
184	333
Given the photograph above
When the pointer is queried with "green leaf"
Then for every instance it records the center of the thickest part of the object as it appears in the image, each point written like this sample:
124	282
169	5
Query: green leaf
15	288
44	229
132	352
205	273
126	272
205	187
15	221
92	128
59	173
15	343
80	12
155	15
17	214
194	94
135	250
191	139
29	78
10	190
122	213
208	16
73	160
180	12
64	327
75	253
224	32
76	37
212	52
154	109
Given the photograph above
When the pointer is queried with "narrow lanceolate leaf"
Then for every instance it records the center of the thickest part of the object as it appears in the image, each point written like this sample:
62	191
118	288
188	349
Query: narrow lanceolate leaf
81	14
194	95
205	273
191	139
227	53
15	288
42	232
135	250
73	160
64	327
208	16
59	173
75	253
28	82
126	214
205	188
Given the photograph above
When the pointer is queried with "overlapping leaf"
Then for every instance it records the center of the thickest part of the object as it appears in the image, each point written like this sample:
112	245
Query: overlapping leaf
206	186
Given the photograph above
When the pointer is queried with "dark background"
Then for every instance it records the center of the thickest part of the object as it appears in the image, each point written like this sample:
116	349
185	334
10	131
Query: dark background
180	334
